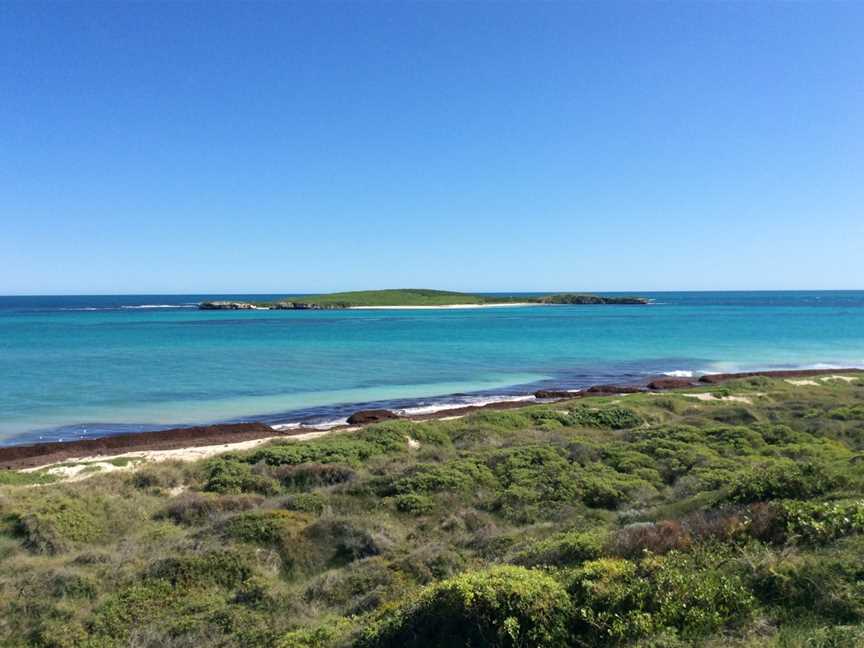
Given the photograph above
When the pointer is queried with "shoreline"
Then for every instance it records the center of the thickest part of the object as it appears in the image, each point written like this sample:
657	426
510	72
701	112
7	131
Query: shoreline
449	306
199	441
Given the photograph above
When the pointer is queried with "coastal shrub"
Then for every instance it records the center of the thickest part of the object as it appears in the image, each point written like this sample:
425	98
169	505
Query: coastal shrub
655	538
676	450
601	486
331	632
542	469
430	562
615	418
55	523
454	476
500	607
732	415
267	528
346	539
414	504
782	479
219	567
311	475
562	549
362	445
160	476
619	600
851	413
176	597
359	587
435	433
305	502
531	478
822	522
822	585
198	508
232	477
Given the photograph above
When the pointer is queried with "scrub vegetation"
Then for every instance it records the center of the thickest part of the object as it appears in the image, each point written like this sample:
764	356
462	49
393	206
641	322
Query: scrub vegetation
641	520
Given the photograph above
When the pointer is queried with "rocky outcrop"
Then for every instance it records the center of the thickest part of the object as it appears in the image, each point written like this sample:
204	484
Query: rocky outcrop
286	305
556	393
281	305
229	305
364	417
670	383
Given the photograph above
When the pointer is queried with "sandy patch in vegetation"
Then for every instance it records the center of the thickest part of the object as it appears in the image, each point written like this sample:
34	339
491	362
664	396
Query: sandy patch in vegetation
715	397
848	379
823	379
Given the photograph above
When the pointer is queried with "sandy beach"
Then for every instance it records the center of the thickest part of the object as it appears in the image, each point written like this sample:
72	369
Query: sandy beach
447	306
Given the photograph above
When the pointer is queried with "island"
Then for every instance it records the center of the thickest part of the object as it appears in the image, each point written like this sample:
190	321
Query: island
416	298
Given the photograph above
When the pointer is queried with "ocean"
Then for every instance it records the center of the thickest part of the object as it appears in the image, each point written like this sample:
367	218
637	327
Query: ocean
85	366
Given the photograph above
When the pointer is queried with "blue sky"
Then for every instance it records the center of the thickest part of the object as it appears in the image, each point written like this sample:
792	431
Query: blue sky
181	147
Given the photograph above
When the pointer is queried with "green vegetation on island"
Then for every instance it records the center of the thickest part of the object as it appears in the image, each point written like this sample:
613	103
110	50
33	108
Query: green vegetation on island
412	297
646	520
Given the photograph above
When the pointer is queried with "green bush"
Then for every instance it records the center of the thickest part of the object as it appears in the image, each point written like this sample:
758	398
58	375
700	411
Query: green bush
620	600
615	418
304	502
232	477
312	475
328	634
453	476
352	450
562	549
268	528
414	504
196	508
783	479
225	568
822	522
360	587
826	586
853	413
16	478
57	522
500	607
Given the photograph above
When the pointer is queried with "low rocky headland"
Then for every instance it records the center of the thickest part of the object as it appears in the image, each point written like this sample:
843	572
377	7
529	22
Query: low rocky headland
416	298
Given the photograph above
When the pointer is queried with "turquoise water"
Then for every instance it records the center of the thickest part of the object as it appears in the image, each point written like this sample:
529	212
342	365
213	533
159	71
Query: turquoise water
85	366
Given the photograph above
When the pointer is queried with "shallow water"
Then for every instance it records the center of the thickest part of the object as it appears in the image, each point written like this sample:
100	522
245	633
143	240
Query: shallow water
86	366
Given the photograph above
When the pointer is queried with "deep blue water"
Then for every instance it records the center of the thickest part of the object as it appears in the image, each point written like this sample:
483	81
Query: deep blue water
77	366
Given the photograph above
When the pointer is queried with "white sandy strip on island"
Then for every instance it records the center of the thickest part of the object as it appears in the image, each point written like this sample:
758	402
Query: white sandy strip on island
446	306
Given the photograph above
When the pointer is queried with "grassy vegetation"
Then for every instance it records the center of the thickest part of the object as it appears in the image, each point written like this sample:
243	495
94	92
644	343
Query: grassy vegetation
396	297
640	520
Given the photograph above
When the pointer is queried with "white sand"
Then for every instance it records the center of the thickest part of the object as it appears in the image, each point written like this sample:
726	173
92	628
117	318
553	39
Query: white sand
715	397
848	379
445	306
803	383
85	467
